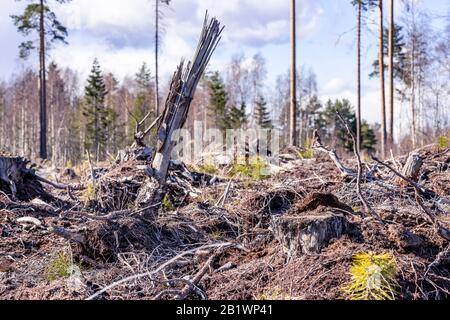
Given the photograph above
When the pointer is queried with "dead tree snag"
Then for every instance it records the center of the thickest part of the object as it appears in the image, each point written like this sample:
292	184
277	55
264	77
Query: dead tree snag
181	93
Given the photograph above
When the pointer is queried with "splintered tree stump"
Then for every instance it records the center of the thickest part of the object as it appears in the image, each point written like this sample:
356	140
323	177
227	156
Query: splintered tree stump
308	234
411	169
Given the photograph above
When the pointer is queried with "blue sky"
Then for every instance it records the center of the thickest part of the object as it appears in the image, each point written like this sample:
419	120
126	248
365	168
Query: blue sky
120	34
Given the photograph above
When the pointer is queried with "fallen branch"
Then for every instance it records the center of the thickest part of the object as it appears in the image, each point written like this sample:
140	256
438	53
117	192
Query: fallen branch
422	190
430	216
77	187
30	220
367	207
196	279
160	268
318	145
141	135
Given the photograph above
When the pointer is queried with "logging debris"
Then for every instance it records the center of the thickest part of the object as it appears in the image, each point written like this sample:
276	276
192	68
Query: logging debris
291	236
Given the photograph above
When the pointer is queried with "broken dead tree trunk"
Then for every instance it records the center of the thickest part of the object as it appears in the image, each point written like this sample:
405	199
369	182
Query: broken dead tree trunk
11	174
181	93
182	90
411	169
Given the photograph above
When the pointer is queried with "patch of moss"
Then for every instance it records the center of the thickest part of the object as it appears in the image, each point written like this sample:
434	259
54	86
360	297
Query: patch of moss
88	194
216	235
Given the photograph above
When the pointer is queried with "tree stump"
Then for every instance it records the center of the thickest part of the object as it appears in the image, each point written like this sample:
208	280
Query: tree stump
309	233
411	169
17	180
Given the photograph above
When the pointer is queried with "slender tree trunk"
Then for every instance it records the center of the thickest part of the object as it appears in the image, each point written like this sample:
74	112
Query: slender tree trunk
381	68
391	72
293	103
22	126
157	57
413	84
43	91
358	109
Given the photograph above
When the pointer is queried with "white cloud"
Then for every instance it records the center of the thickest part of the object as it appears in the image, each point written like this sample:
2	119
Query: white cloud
120	34
335	85
370	99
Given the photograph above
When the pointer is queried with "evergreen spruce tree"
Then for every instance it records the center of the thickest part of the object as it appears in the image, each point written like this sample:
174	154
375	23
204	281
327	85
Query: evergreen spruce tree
217	110
369	139
335	131
262	115
237	117
143	100
95	113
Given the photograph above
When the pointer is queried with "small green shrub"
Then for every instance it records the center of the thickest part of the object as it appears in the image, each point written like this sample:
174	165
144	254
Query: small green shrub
307	152
208	168
69	164
373	277
167	204
216	235
60	267
443	142
88	194
255	169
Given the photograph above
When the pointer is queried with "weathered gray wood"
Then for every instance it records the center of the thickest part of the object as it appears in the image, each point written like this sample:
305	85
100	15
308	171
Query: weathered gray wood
318	145
308	234
411	169
182	89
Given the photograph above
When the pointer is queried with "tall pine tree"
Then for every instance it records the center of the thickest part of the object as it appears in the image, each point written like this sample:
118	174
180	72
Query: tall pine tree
96	114
38	17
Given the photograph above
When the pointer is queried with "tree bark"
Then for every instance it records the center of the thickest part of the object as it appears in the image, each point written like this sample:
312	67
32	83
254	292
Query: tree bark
411	169
391	72
181	93
382	90
43	91
413	81
358	109
293	102
157	57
